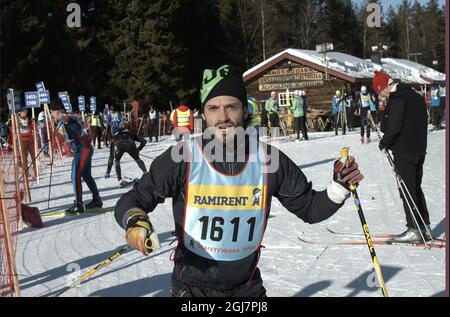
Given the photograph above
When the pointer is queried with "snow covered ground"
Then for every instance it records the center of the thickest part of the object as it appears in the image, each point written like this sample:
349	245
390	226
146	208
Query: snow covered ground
289	267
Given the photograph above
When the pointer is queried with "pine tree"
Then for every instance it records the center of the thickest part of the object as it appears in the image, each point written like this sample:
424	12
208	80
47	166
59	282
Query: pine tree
146	54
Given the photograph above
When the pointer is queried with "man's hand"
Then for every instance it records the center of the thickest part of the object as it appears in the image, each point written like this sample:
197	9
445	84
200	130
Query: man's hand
347	175
138	231
382	147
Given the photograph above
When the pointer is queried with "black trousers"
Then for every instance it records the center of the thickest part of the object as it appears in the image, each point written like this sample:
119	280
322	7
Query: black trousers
338	121
410	168
274	120
117	149
300	125
437	116
153	129
253	289
349	114
364	113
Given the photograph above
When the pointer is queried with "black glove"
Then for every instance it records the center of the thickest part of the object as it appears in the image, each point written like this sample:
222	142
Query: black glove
348	174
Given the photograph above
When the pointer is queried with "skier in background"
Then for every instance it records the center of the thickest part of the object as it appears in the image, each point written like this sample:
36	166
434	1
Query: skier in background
26	133
337	109
123	142
365	104
81	145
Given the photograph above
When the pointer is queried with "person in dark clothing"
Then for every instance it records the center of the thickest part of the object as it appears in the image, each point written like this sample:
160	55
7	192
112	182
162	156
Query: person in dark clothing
81	145
218	252
153	124
437	108
404	125
365	105
123	142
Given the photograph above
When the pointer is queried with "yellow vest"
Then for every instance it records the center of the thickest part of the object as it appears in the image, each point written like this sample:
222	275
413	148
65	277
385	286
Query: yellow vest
183	118
95	122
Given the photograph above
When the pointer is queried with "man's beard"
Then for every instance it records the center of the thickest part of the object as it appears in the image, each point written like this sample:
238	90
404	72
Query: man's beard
225	133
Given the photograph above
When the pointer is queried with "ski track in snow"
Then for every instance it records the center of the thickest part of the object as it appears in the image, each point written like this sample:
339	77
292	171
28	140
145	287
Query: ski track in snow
288	266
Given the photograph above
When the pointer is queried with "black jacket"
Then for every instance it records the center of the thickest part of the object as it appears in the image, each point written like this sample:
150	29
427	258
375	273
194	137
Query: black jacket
405	122
124	135
168	179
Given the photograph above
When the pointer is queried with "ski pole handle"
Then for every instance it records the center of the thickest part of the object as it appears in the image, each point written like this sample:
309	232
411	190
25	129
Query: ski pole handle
148	244
151	242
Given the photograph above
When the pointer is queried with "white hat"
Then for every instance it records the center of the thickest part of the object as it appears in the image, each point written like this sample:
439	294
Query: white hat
363	89
297	92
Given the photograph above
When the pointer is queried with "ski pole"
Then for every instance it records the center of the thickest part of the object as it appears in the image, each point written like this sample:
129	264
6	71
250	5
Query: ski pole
152	158
343	157
149	245
94	270
403	188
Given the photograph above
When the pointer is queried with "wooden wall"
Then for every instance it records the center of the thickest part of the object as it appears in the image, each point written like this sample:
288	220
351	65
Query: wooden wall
295	76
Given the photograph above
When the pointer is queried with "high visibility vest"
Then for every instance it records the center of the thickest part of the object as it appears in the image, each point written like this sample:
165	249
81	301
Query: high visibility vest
297	106
95	122
225	215
24	127
183	118
271	106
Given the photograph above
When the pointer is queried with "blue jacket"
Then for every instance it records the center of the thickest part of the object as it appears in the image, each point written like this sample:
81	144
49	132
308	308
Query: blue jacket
335	105
435	100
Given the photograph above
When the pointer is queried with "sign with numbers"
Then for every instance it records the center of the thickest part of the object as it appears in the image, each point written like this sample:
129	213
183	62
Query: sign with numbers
93	104
32	99
64	96
81	103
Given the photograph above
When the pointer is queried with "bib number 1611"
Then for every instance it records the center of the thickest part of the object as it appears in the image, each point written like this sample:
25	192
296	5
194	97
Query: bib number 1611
216	230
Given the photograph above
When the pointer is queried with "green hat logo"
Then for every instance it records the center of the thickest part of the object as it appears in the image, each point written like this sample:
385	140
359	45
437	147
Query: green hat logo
211	78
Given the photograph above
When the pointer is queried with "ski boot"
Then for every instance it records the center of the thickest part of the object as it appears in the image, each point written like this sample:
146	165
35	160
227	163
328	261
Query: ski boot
412	235
95	203
362	140
367	140
124	183
77	208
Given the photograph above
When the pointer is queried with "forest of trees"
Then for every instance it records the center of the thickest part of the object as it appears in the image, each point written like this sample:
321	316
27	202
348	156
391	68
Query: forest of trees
155	50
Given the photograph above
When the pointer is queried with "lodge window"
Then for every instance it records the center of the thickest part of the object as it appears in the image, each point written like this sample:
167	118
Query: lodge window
282	98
